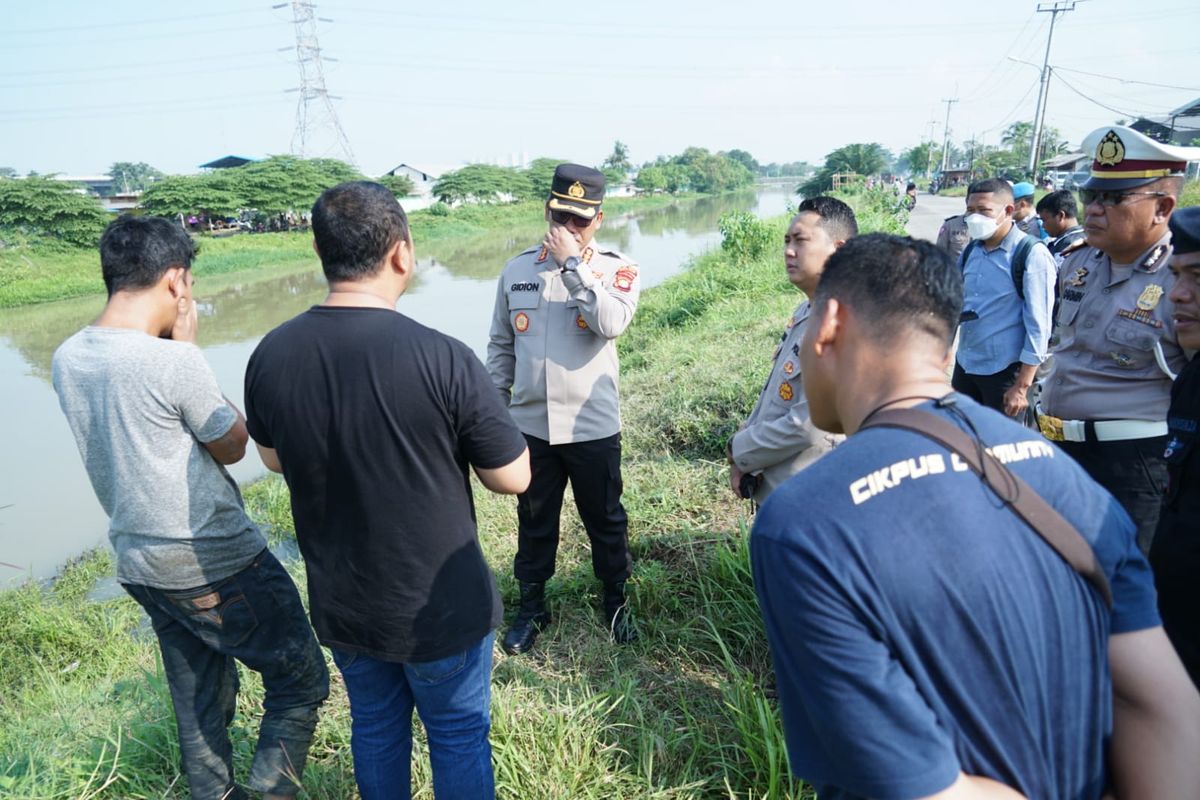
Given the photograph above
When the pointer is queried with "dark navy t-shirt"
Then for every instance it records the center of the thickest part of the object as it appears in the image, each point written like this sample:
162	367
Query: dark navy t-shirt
919	628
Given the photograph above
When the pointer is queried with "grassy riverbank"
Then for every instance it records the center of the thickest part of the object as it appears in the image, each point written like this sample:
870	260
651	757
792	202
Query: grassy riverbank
38	275
683	713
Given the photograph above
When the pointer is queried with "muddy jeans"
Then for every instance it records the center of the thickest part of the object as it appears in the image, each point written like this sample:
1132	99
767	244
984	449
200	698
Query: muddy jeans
254	616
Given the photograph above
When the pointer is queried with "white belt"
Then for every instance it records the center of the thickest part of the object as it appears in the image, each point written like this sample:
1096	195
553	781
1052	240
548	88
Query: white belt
1076	430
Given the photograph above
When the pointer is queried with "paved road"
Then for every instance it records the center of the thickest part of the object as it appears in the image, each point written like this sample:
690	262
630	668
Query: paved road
931	210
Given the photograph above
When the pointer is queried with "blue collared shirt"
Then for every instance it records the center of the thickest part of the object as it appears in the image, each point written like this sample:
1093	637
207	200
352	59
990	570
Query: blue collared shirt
1008	329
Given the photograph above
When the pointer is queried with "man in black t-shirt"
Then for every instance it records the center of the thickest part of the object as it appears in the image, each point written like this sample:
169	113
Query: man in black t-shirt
374	420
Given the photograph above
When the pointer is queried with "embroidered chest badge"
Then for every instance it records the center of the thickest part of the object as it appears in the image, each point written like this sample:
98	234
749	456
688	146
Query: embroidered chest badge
580	322
788	367
521	322
1149	297
785	391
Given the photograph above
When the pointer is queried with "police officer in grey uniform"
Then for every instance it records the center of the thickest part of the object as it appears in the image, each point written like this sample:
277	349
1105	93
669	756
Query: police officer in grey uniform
953	237
1105	399
552	354
779	439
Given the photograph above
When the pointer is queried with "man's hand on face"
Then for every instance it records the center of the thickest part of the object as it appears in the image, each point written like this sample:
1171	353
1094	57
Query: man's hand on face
561	243
186	321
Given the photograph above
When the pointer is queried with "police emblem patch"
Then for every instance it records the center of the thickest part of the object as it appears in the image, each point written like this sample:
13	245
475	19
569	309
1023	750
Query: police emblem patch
580	322
1149	297
577	191
1111	150
785	391
542	255
521	322
788	368
624	278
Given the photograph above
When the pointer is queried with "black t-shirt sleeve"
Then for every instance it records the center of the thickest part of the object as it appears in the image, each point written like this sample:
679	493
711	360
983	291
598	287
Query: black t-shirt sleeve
252	388
488	437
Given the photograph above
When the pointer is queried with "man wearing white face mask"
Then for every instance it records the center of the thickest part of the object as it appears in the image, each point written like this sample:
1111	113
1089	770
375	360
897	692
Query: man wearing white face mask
1009	281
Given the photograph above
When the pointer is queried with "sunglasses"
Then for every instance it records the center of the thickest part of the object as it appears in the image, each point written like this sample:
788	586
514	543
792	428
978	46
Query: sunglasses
563	217
1110	199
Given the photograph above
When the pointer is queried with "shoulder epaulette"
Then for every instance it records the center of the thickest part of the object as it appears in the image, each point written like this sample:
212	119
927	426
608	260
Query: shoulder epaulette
952	216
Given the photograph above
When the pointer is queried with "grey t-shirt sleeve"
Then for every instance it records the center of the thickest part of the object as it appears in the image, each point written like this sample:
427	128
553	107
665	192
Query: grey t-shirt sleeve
201	405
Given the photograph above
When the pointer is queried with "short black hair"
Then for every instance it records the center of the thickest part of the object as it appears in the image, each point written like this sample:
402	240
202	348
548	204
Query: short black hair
895	284
910	187
1060	201
991	186
837	218
136	251
355	224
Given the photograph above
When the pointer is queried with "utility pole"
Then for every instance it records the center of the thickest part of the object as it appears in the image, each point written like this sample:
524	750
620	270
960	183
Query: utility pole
946	137
929	153
314	111
1039	112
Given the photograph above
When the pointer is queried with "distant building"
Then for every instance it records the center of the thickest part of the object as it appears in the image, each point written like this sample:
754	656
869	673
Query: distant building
423	180
1181	126
101	185
227	162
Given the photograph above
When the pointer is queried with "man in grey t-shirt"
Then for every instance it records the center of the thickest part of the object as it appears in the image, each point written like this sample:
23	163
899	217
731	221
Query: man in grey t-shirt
155	433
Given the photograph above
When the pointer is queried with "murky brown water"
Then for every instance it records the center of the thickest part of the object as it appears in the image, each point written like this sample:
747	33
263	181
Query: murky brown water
47	510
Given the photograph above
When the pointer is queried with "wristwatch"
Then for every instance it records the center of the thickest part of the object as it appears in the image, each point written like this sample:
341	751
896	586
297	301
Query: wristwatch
571	264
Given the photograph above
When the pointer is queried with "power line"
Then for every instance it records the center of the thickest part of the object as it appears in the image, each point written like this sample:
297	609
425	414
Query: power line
1129	80
1094	100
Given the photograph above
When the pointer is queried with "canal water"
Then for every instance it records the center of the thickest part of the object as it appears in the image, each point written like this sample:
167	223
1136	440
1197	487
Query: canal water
48	513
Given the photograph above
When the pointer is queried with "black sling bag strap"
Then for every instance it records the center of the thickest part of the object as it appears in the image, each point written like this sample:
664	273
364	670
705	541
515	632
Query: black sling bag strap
1025	502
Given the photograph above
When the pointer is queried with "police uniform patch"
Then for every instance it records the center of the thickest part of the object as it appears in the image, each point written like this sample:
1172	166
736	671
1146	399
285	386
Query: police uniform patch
521	322
1072	295
577	191
788	368
1140	315
624	278
1155	256
580	322
785	391
542	254
1149	297
1077	278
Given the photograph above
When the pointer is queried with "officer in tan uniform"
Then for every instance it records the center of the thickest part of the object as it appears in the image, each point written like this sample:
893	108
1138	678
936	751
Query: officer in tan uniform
552	353
1105	399
779	439
953	237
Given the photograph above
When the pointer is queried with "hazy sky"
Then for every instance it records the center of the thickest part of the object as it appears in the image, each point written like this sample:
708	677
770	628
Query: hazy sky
85	83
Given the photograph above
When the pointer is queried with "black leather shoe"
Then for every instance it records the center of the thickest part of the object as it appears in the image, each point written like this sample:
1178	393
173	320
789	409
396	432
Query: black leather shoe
531	618
616	614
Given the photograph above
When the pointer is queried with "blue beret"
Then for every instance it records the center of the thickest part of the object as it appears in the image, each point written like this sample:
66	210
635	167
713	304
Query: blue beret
1185	230
1022	189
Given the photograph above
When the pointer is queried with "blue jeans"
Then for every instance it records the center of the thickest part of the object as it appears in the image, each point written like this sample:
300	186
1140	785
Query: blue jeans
254	616
452	696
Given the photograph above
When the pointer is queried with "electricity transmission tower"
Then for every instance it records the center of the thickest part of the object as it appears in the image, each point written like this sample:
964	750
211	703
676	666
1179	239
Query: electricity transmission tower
1039	112
317	123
